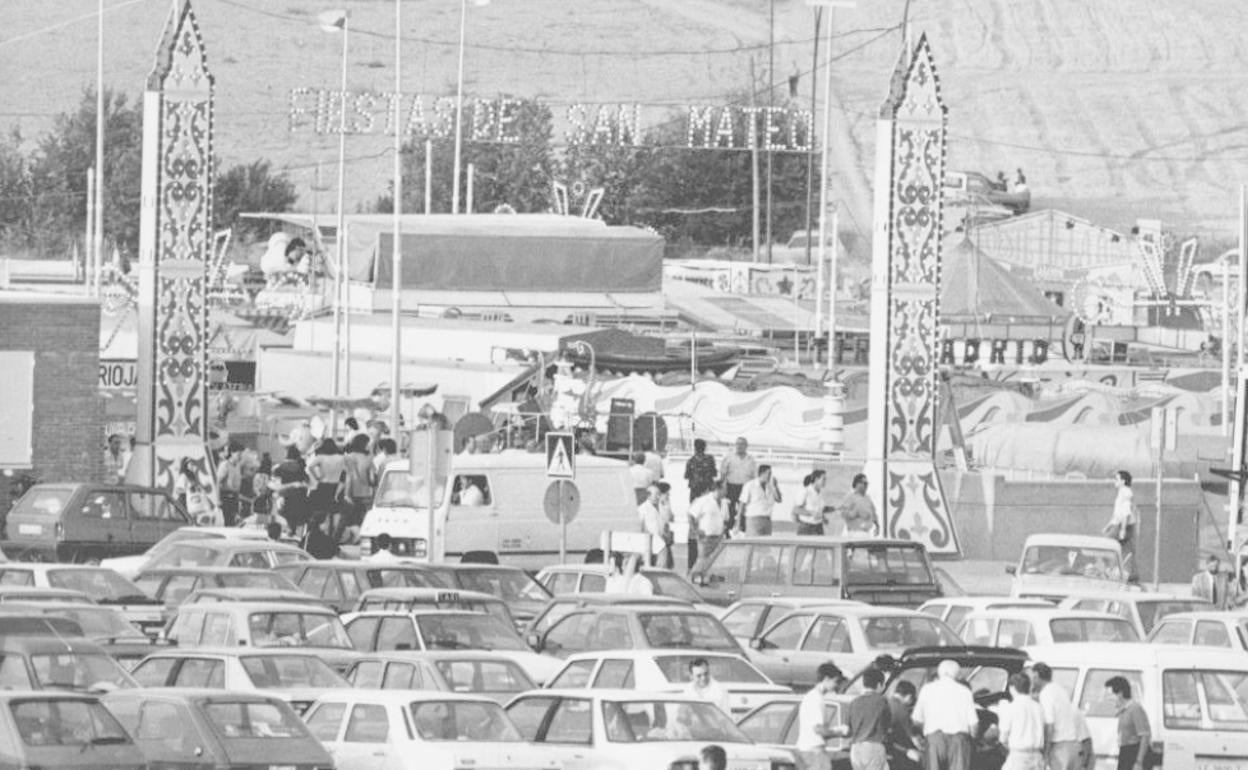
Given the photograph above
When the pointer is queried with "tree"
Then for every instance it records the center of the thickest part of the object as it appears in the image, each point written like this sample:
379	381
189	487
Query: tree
251	187
15	210
58	175
618	170
516	174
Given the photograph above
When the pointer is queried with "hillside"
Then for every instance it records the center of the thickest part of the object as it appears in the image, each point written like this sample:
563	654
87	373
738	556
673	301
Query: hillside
1115	109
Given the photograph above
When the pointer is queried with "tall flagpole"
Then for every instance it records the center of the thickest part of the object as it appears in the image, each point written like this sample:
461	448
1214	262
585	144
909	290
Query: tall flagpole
396	256
100	118
340	285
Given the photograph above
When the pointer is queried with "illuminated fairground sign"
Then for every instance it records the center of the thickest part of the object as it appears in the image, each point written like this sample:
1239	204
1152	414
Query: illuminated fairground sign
727	127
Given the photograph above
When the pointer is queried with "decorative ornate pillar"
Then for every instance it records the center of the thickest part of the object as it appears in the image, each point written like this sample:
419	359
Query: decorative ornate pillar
174	246
905	307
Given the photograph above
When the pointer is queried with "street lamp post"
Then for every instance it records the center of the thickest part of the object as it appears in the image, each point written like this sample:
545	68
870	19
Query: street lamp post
459	100
339	21
396	251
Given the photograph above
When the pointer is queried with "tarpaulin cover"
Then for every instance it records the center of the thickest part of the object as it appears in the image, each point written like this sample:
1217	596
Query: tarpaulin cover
507	253
974	285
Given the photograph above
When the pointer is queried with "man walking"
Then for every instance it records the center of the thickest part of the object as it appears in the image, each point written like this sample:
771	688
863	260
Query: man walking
706	519
857	510
703	687
946	711
1061	720
737	470
869	719
1211	585
699	470
1125	521
758	500
116	458
1021	724
655	524
813	729
1134	734
230	482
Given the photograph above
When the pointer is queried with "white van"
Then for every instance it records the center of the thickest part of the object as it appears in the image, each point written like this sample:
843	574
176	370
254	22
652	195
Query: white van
494	504
1196	699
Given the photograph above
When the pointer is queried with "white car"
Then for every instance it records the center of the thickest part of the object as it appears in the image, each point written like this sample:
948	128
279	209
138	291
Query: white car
561	579
103	585
1021	628
263	624
952	609
295	676
1054	566
380	631
1142	608
131	566
635	730
417	730
747	618
1228	630
490	674
850	636
668	672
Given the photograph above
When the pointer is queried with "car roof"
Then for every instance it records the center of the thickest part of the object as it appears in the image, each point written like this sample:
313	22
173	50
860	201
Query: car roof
1234	617
1107	654
1082	541
1130	596
234	652
36	591
208	571
421	611
797	602
400	697
259	607
654	653
607	693
633	609
982	602
1042	613
821	540
227	533
428	593
598	568
430	656
860	610
53	566
48	643
237	543
473	566
191	693
8	696
597	599
352	564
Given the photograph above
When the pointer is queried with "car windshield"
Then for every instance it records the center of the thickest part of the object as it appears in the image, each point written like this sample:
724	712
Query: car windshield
101	622
268	580
297	629
99	584
900	632
508	585
1072	561
397	489
285	671
663	721
77	671
671	585
694	630
1066	630
185	555
66	723
675	669
253	719
463	721
467	631
887	565
396	577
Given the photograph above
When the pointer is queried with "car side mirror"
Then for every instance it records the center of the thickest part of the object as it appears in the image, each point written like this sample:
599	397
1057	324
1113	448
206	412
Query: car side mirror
534	640
1010	569
757	644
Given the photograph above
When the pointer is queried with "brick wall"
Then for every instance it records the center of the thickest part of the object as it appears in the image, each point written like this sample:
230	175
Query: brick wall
64	334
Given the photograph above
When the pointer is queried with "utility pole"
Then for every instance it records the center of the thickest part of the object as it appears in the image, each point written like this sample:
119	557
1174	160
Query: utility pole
753	133
771	103
810	156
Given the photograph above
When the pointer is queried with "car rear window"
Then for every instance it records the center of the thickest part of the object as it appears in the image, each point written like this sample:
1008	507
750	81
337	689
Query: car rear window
42	502
1092	630
887	564
66	723
675	669
252	719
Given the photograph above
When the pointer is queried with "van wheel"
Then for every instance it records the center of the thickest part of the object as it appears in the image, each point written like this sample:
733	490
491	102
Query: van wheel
479	557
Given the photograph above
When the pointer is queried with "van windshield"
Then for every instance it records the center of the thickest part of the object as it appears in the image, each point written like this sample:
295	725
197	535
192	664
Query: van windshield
397	489
887	564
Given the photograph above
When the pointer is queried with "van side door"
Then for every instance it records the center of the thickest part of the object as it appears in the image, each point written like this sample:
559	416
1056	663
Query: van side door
99	524
153	514
473	522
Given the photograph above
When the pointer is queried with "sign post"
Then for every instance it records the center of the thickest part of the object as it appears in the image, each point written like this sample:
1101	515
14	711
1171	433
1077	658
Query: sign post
562	500
1163	436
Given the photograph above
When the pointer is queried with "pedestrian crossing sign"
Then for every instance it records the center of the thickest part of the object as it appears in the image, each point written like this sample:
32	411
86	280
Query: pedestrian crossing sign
560	457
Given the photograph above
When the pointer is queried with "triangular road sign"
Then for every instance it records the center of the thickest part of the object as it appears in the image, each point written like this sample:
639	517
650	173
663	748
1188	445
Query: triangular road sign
560	457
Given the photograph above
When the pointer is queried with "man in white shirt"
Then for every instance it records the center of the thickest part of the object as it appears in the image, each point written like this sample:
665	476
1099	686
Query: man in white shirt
946	710
625	579
1061	721
1021	724
707	521
643	477
758	500
702	687
813	729
655	522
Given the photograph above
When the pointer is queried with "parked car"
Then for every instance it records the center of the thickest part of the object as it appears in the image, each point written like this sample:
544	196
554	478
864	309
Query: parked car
523	595
196	729
262	624
103	585
852	637
63	730
748	618
399	599
58	663
773	722
1029	627
562	579
379	631
477	672
559	607
952	609
870	570
294	675
1142	608
632	730
228	552
1054	566
634	627
1210	628
88	522
104	625
339	582
226	595
171	585
405	730
1195	698
130	566
16	620
667	672
36	595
